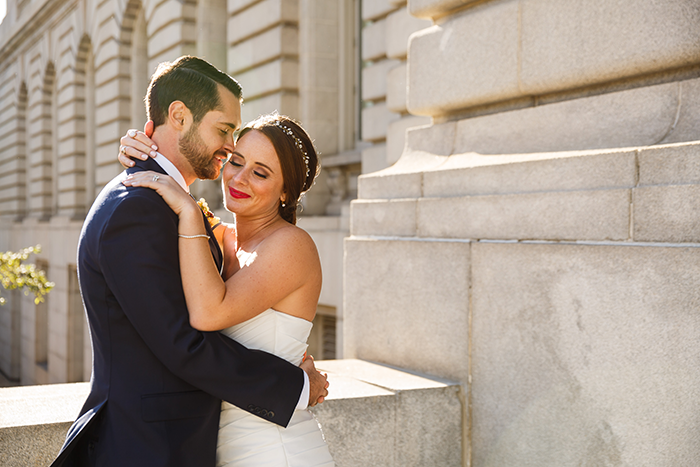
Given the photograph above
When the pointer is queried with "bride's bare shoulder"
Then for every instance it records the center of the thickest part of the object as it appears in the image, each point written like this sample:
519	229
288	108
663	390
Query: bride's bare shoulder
293	238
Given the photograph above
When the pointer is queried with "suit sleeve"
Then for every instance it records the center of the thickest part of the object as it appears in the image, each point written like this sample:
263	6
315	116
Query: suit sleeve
139	258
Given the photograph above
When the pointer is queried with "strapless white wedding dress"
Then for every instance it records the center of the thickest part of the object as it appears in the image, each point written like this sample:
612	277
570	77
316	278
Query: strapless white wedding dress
246	440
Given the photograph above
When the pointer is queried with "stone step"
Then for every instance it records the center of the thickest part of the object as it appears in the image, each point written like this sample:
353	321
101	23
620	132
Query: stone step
375	415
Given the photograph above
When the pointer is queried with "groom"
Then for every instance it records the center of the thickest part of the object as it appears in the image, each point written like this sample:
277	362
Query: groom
157	383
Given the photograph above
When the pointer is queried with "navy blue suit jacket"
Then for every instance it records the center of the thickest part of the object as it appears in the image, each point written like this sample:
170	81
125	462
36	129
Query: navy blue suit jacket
157	383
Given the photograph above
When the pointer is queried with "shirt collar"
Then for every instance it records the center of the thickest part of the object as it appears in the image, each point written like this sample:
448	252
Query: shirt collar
171	170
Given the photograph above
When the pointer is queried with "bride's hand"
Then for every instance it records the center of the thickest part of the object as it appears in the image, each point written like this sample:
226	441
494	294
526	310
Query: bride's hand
173	194
136	145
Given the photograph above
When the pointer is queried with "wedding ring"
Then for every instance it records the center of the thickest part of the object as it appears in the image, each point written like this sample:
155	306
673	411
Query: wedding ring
131	133
122	149
155	178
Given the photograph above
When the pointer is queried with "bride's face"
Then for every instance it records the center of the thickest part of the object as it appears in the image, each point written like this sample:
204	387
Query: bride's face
252	181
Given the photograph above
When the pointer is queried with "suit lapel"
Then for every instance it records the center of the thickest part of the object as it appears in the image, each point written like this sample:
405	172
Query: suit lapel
213	244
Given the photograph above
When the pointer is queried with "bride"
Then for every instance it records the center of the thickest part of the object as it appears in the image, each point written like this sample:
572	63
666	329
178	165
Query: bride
271	281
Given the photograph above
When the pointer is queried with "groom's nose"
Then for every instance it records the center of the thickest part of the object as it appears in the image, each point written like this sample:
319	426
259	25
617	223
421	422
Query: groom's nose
229	145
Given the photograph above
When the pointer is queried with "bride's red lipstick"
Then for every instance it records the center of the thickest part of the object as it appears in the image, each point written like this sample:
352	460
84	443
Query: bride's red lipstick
237	194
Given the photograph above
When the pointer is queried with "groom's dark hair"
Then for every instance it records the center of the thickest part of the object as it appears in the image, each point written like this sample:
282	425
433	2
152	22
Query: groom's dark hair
192	81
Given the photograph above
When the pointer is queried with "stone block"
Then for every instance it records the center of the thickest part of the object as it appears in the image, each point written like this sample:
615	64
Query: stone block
374	79
419	290
374	41
105	173
571	215
636	117
166	14
234	6
328	233
274	76
569	46
584	355
396	135
669	213
405	178
687	125
280	40
476	174
468	60
375	121
375	9
396	217
400	25
427	415
286	103
374	158
432	8
371	425
171	42
260	17
322	74
388	185
396	88
670	165
35	421
437	139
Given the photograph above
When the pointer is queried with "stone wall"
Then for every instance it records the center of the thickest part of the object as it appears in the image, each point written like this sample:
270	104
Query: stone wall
537	242
377	416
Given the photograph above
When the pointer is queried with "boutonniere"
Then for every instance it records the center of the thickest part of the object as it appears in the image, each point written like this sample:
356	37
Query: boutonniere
213	220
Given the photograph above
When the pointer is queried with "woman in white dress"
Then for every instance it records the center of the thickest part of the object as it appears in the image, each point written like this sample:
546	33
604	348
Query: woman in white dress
271	283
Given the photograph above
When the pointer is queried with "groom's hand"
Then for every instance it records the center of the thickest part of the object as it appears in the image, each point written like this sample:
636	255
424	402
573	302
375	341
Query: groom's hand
318	383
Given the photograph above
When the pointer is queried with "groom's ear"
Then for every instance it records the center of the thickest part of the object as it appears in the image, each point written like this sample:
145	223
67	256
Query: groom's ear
179	116
149	128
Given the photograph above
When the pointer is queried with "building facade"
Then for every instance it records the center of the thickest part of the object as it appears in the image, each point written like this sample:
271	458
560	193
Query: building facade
72	79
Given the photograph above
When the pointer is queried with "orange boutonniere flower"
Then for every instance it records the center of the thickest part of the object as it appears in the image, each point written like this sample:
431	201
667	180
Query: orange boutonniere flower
213	220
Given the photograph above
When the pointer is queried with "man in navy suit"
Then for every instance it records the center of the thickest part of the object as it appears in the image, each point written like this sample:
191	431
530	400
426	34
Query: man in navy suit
157	383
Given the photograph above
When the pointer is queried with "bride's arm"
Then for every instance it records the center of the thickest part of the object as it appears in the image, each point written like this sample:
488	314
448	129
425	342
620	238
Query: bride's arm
283	263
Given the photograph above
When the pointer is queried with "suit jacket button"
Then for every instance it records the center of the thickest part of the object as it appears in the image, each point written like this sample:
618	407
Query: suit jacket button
270	414
251	407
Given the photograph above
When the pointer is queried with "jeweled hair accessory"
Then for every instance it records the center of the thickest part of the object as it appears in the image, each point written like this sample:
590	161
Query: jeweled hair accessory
297	142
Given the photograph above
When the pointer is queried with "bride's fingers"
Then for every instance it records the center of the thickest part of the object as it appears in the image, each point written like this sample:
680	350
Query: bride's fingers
148	179
142	146
139	137
125	156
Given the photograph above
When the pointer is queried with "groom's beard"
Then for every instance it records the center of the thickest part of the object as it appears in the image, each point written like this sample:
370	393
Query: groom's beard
196	153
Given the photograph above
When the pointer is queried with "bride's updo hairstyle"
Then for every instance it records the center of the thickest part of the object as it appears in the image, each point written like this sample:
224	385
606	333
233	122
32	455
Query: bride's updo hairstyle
296	154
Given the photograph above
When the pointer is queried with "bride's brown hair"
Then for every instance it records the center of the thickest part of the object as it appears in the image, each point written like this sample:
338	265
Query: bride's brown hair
297	156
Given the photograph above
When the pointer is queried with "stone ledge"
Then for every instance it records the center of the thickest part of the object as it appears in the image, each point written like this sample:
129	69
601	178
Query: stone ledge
374	415
439	174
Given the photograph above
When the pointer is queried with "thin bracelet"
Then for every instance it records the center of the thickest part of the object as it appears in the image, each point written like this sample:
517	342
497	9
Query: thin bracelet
192	236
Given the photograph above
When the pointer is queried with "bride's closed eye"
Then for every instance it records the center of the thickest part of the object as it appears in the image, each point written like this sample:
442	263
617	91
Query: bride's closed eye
239	164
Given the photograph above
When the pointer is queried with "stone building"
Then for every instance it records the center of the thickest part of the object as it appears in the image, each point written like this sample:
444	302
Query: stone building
534	239
72	79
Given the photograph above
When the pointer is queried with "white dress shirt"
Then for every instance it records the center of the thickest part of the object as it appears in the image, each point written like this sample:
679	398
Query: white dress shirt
172	171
